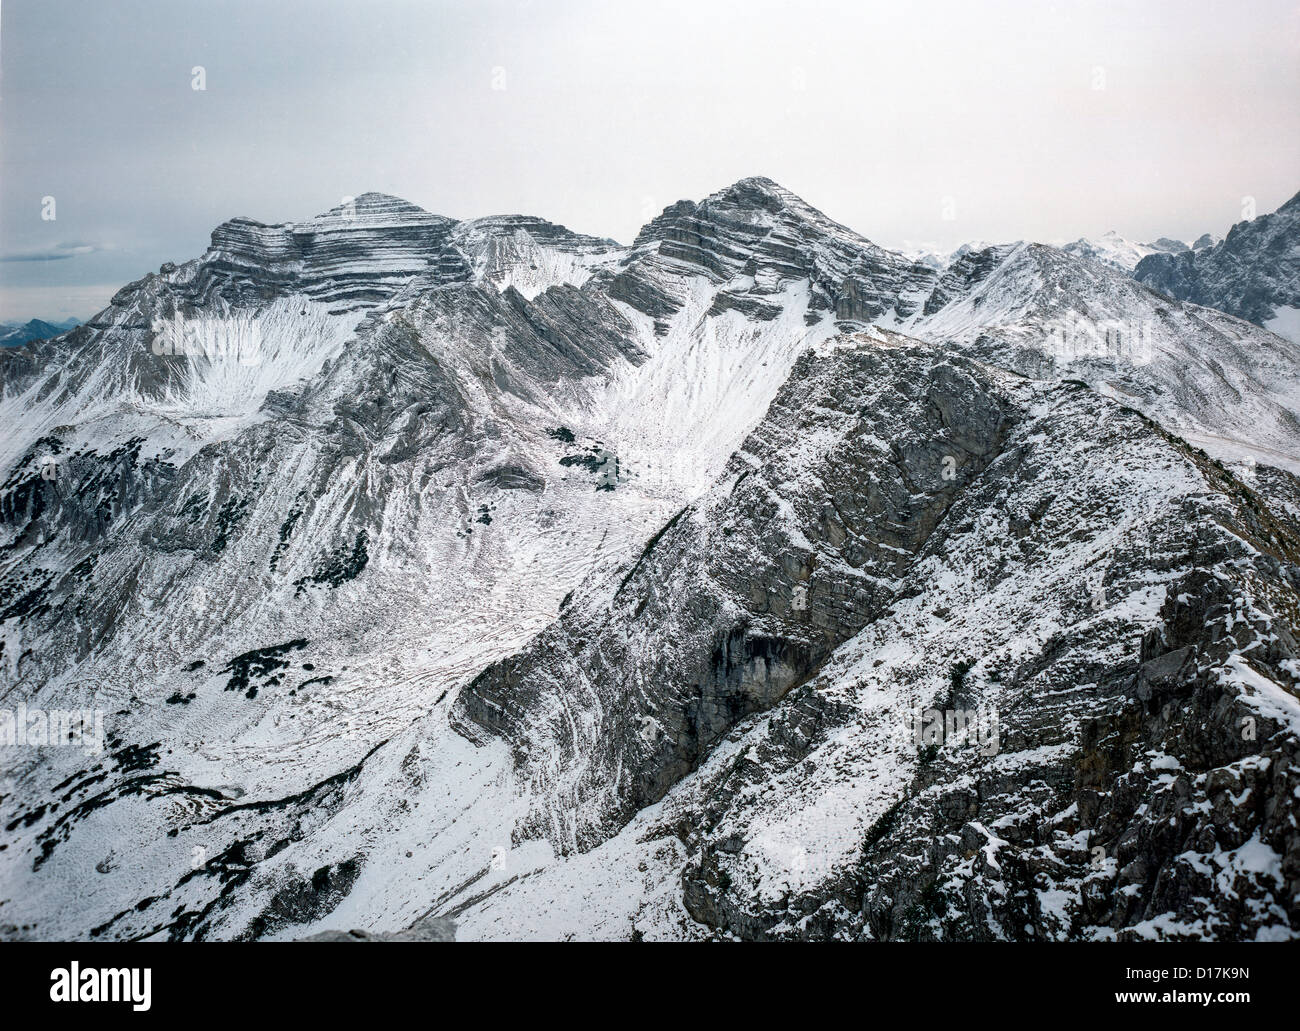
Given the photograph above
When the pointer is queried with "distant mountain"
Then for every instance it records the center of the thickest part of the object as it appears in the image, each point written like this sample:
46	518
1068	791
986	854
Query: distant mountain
1211	378
939	259
1117	252
1109	249
13	333
1254	273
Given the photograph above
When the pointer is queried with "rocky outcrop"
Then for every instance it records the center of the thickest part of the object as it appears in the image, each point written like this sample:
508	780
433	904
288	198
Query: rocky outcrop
748	592
1108	627
1253	273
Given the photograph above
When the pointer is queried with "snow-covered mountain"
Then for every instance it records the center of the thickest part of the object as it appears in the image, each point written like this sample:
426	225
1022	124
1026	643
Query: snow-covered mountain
482	570
1232	388
1254	273
938	258
1118	252
14	333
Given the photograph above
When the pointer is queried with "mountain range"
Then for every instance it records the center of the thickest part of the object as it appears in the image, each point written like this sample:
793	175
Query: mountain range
15	333
751	580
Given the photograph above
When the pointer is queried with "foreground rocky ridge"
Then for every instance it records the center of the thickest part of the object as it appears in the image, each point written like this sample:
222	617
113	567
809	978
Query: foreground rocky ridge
1139	667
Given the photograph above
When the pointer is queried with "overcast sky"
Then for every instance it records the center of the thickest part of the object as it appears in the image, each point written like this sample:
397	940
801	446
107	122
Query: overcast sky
1020	120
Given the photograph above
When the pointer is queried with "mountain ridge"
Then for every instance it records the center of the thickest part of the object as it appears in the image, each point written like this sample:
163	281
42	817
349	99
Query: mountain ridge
1253	273
514	561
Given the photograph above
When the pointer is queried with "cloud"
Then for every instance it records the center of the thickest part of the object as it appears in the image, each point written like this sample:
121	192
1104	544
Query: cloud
59	252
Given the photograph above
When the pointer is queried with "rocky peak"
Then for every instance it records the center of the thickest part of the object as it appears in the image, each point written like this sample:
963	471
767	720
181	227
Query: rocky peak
370	209
757	192
524	252
756	239
355	255
654	230
1254	273
372	202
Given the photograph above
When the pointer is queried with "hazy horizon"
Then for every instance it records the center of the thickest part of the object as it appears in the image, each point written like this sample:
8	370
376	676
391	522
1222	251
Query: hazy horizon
917	125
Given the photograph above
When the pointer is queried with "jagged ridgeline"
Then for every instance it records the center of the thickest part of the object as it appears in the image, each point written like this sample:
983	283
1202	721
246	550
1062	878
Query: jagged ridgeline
751	580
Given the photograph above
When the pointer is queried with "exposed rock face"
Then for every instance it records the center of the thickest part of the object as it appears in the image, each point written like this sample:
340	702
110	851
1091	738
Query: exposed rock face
964	274
1254	273
744	595
529	254
565	589
360	252
1133	776
756	238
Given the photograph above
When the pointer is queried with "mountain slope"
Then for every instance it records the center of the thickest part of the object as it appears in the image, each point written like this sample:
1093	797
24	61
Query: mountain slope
1231	387
1112	605
289	556
426	567
826	817
1254	273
